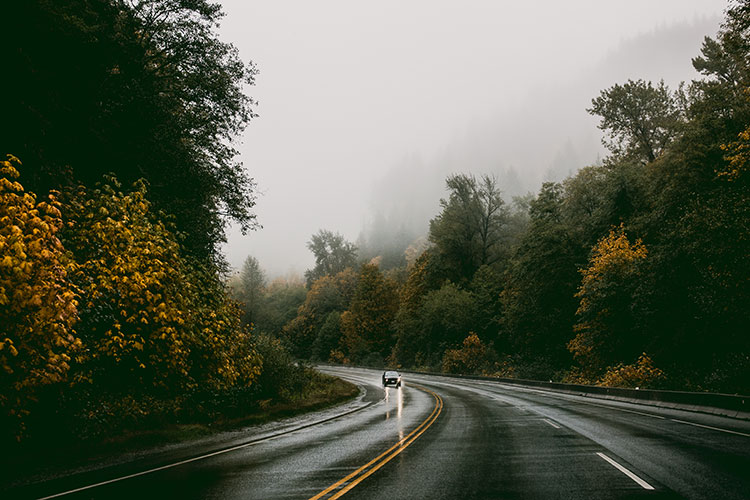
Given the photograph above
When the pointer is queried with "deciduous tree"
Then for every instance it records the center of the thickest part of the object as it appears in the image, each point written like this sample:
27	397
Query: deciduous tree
468	233
141	88
367	324
606	331
640	119
333	254
38	304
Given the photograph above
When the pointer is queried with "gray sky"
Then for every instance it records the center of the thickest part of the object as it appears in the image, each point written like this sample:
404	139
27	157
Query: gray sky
364	104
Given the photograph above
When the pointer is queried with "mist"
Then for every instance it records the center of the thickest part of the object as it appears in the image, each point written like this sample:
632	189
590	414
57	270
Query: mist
365	109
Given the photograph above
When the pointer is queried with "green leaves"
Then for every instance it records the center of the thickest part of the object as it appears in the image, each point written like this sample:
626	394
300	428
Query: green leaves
469	232
144	89
333	254
641	119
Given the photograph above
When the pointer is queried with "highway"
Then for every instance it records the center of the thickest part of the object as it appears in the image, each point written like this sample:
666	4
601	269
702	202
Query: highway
442	438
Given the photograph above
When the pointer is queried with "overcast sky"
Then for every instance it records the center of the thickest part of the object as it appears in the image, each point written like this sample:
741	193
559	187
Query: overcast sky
351	92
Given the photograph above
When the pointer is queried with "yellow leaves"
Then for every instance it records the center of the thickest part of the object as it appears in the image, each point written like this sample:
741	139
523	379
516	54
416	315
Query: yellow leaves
151	317
472	357
612	256
8	344
641	374
37	302
738	157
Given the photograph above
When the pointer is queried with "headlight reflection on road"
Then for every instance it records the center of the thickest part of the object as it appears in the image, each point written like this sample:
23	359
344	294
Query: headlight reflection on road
400	402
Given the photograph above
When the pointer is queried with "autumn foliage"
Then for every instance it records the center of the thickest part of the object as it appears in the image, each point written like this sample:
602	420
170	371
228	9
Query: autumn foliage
95	291
605	327
474	357
37	300
641	374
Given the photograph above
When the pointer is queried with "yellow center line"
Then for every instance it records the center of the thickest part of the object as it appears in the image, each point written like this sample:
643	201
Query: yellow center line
398	447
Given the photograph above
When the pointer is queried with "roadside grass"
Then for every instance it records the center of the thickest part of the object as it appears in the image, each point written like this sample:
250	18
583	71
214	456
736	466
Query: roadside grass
81	441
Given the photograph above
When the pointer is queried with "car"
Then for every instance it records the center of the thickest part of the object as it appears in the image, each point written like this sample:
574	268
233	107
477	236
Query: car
391	378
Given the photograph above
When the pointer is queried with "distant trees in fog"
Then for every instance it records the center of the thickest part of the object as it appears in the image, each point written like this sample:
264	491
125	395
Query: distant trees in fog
633	271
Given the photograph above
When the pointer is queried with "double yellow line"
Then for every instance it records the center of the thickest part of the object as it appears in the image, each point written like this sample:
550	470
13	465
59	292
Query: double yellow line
376	463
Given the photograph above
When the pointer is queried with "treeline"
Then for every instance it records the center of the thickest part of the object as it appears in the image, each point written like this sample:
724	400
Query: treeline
632	272
119	119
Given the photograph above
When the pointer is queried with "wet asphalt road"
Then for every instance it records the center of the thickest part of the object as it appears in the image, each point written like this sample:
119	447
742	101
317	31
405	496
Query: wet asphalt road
442	438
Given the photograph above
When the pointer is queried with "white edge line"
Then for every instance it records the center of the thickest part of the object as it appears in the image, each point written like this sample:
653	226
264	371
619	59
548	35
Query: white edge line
709	427
168	466
624	409
550	422
201	457
643	484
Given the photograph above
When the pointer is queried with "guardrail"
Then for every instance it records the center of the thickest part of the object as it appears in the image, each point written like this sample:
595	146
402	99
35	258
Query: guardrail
729	405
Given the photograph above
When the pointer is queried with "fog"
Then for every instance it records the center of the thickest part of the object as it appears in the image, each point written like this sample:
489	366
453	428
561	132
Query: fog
366	107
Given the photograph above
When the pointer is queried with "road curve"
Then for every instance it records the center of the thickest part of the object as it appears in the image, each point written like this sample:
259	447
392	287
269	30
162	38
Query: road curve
445	438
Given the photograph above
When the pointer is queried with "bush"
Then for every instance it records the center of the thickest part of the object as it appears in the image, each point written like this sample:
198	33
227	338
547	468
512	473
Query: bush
281	378
472	358
641	374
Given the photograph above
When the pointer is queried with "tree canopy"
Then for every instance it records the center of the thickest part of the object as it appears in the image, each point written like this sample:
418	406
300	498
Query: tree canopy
333	254
140	88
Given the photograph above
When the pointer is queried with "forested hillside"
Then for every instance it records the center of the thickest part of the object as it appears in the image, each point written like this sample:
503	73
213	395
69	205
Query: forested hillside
631	272
120	177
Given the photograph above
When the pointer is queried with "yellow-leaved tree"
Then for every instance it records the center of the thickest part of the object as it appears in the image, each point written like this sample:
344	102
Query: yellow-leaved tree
474	357
37	302
149	316
641	374
738	157
132	309
606	330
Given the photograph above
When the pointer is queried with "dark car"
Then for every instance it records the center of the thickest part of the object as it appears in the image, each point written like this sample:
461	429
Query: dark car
391	378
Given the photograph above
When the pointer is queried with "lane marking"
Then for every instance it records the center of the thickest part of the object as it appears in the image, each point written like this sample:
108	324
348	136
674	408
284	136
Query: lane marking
550	422
709	427
643	484
366	470
202	457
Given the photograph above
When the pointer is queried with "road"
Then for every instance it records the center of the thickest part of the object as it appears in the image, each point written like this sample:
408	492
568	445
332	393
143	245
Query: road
444	438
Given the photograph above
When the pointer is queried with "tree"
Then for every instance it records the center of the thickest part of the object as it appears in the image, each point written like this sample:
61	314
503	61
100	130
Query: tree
606	331
328	338
444	318
326	295
720	100
252	282
150	318
281	300
132	306
141	88
474	357
333	254
538	303
367	324
486	288
408	342
640	119
468	233
641	374
38	310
